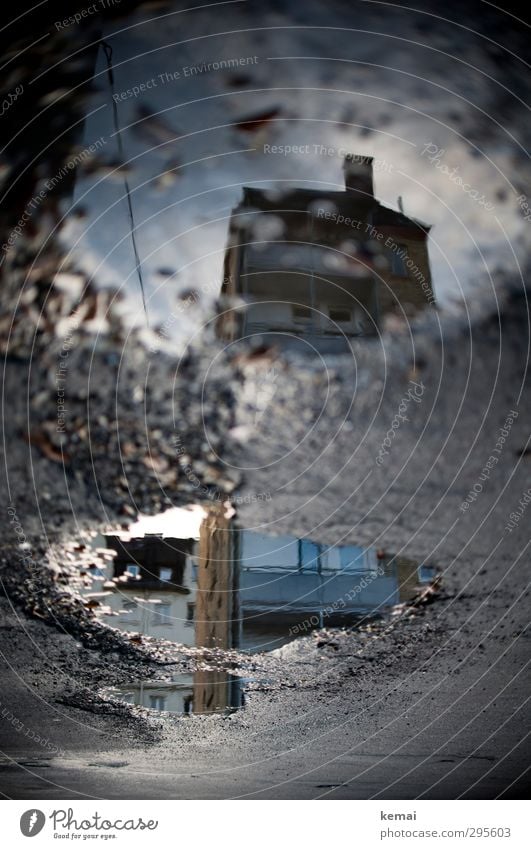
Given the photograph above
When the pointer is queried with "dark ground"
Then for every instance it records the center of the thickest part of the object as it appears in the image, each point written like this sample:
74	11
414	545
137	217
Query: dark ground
434	706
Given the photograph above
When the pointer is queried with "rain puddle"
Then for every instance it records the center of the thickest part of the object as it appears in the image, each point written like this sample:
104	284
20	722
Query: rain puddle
202	581
204	691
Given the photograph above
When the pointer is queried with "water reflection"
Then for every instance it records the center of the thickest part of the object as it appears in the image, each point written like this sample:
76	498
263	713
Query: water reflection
192	133
152	587
237	588
200	692
318	268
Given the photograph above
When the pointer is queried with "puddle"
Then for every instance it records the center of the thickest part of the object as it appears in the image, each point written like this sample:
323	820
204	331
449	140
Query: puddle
298	277
185	211
213	584
200	692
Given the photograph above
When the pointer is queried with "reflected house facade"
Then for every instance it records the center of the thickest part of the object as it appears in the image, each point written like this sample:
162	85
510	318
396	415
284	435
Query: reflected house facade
217	597
155	586
318	268
254	590
154	591
251	591
237	588
202	691
293	585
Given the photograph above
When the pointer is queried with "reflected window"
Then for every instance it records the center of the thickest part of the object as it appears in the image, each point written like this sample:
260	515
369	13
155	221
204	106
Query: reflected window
165	573
360	321
301	313
157	702
190	613
426	573
352	558
340	314
309	556
133	570
398	256
161	614
130	609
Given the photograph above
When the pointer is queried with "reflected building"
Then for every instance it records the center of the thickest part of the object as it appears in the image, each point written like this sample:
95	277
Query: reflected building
204	691
217	602
242	589
316	269
151	586
256	591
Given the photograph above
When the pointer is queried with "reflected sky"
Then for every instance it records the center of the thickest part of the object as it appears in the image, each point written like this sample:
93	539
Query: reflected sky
209	103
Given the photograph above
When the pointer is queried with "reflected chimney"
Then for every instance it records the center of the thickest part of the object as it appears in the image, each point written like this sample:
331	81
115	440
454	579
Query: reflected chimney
358	174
